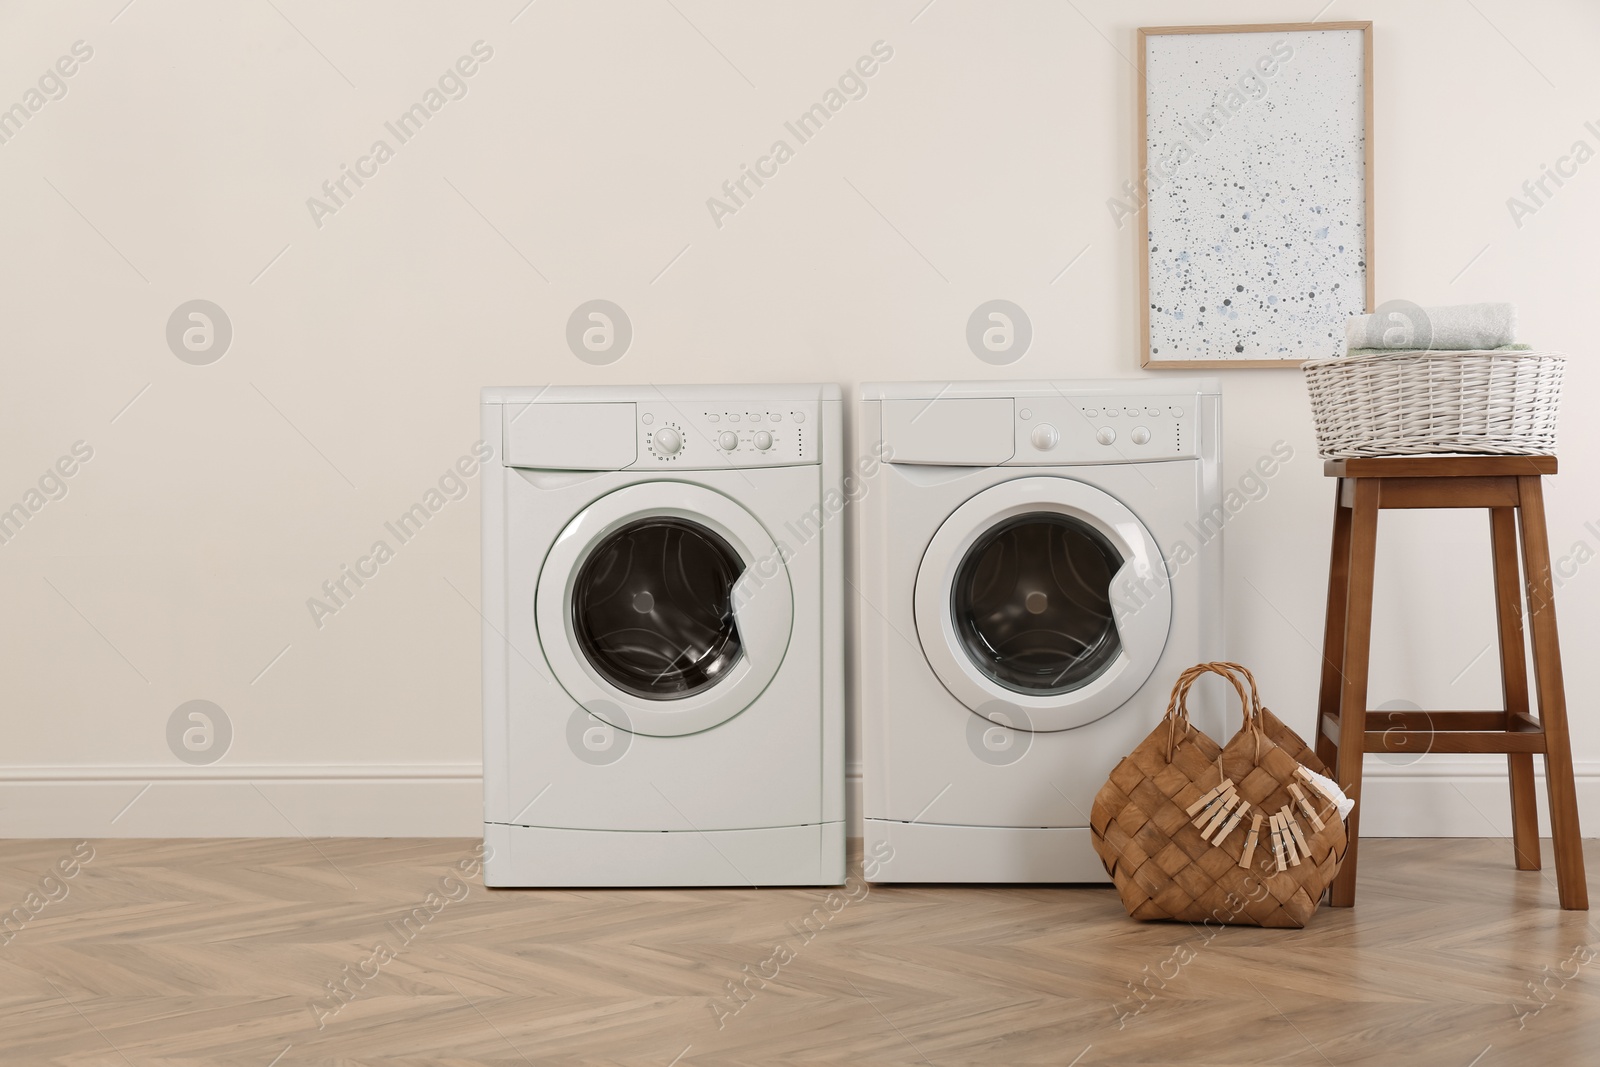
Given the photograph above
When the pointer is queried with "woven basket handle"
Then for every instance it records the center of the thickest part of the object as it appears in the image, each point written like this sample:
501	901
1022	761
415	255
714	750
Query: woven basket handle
1256	707
1178	708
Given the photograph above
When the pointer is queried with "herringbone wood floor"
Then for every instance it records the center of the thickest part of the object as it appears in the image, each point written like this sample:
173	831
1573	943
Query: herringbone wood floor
217	952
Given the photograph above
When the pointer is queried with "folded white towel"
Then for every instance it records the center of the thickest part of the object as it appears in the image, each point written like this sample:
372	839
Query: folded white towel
1459	327
1331	790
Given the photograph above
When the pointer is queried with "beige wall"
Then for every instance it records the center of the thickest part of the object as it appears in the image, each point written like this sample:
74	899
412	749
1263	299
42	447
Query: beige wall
178	164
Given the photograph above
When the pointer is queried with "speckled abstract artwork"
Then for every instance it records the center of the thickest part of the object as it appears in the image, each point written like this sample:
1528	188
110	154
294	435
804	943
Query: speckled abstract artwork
1256	161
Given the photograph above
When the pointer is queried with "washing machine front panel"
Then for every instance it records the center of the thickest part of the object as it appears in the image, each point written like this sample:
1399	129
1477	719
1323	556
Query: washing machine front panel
1043	604
967	792
566	767
664	608
756	798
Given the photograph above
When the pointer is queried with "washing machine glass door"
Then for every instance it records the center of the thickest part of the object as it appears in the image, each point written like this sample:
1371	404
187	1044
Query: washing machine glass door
664	608
1043	603
652	609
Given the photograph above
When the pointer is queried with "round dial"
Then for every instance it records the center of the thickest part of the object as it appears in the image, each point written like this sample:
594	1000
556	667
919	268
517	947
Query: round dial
1106	434
1044	437
1140	435
727	440
763	440
668	441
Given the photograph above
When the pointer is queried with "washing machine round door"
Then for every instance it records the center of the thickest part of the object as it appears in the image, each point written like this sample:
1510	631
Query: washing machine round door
664	608
1043	603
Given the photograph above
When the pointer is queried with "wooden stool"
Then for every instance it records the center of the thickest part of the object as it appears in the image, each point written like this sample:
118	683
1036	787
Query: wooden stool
1507	486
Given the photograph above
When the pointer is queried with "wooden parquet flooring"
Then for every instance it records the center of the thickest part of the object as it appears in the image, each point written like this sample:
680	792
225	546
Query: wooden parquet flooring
188	953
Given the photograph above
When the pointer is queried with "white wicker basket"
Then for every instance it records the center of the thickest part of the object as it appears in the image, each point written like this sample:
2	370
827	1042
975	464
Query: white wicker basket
1420	403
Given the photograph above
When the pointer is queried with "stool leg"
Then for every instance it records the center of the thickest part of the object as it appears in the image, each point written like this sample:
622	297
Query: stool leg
1514	683
1353	690
1333	626
1565	839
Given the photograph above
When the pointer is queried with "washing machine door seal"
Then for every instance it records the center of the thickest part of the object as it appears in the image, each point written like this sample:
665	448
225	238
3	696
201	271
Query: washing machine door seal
1043	604
668	573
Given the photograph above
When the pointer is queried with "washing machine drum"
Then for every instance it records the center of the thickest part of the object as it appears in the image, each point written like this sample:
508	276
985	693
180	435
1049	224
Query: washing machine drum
1031	603
664	608
1043	603
652	608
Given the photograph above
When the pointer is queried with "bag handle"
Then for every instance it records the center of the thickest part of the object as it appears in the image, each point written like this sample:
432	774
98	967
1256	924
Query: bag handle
1255	694
1178	708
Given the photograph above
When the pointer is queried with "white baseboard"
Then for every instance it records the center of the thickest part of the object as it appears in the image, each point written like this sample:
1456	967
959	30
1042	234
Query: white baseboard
418	800
1460	797
1436	797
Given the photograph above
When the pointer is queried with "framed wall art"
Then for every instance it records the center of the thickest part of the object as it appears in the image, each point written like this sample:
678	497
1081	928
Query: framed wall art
1253	201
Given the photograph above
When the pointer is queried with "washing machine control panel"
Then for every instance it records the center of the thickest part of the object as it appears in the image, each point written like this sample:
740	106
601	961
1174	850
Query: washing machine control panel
712	435
1104	429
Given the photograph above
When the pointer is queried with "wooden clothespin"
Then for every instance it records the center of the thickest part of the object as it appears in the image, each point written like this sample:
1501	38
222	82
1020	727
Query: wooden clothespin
1250	842
1305	806
1279	846
1304	772
1289	847
1217	790
1229	800
1233	820
1294	828
1207	813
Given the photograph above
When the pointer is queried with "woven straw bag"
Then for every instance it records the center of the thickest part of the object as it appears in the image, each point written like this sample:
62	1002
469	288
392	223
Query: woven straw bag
1193	831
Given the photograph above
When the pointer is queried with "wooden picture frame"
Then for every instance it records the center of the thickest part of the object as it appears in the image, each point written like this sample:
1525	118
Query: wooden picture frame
1153	201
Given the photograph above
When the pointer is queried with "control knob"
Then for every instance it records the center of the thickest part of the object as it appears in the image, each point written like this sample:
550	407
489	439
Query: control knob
668	441
763	440
727	440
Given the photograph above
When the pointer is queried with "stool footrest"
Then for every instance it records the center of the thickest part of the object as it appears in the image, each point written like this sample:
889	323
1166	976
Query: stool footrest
1440	720
1448	733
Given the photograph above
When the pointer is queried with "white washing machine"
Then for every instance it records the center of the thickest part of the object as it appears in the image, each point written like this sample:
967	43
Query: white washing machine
662	640
1038	562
